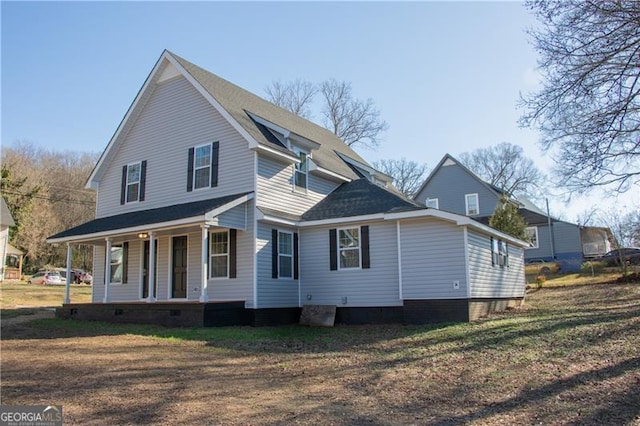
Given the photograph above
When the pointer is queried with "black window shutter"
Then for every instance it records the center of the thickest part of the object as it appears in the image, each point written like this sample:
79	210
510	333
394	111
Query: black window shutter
296	272
333	250
125	262
143	179
274	253
364	246
123	185
232	252
215	150
190	170
209	271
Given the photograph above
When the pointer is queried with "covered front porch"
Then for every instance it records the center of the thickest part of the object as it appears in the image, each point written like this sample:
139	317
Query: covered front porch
178	255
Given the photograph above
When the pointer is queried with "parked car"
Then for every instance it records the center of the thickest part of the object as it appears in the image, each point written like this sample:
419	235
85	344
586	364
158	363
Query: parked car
79	276
46	278
541	266
630	255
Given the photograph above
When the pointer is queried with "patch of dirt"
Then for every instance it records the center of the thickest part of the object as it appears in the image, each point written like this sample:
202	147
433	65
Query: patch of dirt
569	357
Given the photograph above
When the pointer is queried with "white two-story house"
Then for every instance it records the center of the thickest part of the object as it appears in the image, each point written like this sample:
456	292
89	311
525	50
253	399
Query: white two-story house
217	207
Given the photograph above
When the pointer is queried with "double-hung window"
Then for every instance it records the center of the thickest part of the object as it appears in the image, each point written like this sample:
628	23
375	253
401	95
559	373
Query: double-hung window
202	166
133	182
472	204
301	172
349	247
285	254
499	253
132	185
118	264
219	253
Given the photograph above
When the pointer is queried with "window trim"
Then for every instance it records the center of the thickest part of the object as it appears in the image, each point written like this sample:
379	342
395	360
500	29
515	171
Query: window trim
340	249
301	190
124	262
535	229
291	256
437	206
466	203
196	168
211	255
127	183
499	253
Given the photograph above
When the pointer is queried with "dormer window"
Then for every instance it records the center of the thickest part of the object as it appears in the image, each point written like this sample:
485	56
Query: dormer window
301	172
472	204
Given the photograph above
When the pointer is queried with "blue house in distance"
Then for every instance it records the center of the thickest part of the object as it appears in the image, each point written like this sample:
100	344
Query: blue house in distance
453	187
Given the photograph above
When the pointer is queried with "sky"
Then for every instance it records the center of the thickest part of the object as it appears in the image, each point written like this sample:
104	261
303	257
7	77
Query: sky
446	76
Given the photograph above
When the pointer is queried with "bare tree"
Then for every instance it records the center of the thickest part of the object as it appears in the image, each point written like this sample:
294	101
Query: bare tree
355	121
48	196
407	175
352	120
505	166
588	108
295	96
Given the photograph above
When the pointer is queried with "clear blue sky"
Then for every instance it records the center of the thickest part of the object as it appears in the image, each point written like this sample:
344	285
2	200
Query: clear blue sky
446	76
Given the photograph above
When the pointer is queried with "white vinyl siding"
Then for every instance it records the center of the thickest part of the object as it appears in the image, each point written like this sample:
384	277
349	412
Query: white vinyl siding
432	260
376	286
272	292
492	281
275	180
175	118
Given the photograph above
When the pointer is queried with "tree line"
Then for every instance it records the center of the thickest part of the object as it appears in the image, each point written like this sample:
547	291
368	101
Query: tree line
44	191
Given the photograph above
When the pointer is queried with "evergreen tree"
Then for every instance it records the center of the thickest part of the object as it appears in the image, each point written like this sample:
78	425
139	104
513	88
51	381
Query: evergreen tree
507	219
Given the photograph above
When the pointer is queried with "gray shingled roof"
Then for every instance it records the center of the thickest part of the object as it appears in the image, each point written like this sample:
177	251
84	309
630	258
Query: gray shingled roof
237	101
147	217
357	198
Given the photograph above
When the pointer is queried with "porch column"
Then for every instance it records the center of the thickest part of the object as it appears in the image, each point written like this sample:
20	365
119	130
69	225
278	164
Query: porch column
107	270
204	296
151	274
67	298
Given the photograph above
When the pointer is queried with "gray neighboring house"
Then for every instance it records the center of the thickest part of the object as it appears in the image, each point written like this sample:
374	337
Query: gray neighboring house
453	187
216	207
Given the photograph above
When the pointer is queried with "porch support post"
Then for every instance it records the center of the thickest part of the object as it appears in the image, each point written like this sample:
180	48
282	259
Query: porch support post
151	274
204	296
67	297
107	270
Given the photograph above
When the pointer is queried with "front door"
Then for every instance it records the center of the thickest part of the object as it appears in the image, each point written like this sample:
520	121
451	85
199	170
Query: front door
179	268
145	269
